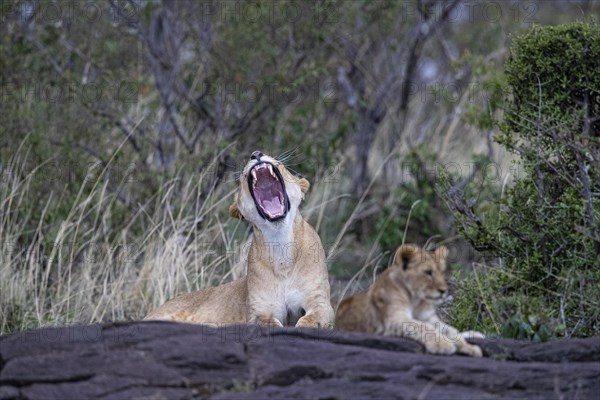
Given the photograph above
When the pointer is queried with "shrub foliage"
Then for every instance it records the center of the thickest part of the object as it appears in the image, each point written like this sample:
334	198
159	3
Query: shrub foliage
544	232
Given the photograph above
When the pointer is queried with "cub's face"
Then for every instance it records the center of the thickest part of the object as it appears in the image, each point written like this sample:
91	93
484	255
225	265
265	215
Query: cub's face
268	192
422	272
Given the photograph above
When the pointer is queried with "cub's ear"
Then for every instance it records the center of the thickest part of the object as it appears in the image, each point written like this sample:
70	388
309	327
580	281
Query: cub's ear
304	186
234	211
404	254
440	255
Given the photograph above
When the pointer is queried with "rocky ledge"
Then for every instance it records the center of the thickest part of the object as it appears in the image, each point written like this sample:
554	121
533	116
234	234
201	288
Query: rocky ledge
176	361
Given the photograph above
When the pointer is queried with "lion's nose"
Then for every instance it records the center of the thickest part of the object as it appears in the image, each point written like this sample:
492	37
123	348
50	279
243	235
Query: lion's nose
442	291
256	155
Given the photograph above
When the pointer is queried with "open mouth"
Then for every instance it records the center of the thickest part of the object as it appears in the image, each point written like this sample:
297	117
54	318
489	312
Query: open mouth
268	191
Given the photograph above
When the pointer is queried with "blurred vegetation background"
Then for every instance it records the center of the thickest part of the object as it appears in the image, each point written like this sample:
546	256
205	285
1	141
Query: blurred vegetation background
124	124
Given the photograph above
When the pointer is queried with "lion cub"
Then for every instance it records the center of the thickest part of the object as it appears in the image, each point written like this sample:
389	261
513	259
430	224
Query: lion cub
402	302
287	280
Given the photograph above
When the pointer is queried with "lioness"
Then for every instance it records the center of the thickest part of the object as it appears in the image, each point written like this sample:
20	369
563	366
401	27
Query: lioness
402	302
287	281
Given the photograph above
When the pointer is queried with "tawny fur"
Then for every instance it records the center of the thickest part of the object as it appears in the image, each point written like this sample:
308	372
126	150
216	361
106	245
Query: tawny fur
402	302
286	281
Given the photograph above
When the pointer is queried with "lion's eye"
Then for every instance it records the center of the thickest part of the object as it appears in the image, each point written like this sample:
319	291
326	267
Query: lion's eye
429	272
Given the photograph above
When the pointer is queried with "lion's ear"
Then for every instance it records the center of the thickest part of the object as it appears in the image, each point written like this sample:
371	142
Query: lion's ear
304	186
404	254
234	211
440	255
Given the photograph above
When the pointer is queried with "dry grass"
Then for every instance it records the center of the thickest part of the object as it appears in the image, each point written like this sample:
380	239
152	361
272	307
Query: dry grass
84	271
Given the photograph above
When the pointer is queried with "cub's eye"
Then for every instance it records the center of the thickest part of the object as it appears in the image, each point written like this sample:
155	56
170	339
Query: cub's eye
429	272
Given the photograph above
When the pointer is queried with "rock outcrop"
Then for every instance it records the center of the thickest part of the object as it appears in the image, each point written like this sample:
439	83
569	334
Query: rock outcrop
177	361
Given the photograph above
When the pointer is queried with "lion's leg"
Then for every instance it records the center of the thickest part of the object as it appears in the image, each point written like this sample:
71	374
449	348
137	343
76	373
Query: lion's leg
319	313
262	311
264	305
450	333
318	317
430	335
265	320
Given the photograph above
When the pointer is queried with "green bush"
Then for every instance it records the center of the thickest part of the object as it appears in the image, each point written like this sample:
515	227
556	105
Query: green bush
545	236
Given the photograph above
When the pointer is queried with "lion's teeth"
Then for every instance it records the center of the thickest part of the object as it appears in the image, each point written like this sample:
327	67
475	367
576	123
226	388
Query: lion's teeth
270	167
253	173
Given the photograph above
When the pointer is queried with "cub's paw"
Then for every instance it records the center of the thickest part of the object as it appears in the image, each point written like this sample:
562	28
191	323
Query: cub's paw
470	350
440	346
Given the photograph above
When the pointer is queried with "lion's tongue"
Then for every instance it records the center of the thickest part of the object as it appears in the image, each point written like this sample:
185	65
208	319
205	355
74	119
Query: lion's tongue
273	206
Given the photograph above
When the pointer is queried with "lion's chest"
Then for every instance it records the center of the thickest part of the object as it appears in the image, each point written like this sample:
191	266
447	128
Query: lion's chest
281	245
293	298
423	312
291	301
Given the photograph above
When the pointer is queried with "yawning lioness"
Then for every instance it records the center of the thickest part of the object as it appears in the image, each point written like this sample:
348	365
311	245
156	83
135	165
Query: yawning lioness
286	282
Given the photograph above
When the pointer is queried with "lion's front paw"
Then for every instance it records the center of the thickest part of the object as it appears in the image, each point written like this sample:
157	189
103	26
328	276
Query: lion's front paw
470	350
310	321
269	321
440	346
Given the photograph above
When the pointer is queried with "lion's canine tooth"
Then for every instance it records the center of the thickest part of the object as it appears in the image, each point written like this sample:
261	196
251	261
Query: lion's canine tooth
253	173
270	167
